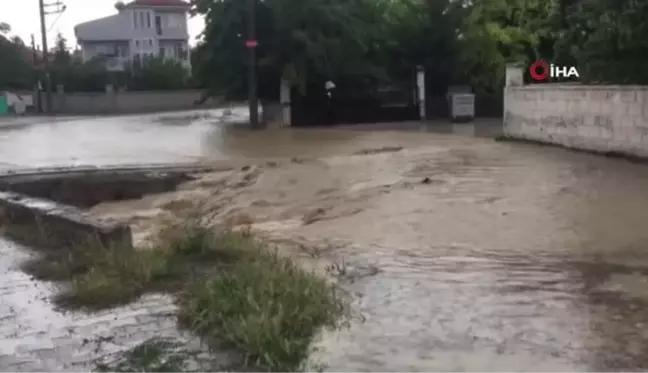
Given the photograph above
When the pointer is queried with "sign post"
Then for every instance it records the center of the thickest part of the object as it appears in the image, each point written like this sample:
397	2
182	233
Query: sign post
251	45
420	84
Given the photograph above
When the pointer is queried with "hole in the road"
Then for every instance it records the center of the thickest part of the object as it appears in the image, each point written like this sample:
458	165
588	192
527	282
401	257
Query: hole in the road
89	189
48	209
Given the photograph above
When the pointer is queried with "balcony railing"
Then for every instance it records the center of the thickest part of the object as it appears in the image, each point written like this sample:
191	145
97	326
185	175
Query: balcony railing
116	63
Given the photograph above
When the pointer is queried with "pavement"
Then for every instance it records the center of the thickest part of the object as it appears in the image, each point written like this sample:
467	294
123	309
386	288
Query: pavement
21	121
34	336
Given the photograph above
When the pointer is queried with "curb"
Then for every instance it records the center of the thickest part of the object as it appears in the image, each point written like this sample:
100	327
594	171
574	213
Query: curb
626	156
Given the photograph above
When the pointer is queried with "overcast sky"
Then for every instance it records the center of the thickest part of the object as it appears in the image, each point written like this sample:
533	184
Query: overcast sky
23	17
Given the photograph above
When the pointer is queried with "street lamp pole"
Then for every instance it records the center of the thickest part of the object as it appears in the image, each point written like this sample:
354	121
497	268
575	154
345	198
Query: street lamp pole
252	76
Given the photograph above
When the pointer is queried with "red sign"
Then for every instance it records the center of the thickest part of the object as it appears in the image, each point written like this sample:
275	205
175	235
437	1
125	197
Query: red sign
542	70
539	70
251	43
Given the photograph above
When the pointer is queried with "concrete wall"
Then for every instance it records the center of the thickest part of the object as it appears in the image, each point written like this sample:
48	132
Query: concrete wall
128	102
43	222
18	102
46	206
598	118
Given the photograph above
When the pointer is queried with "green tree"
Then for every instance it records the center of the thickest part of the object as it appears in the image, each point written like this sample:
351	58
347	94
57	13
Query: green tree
497	32
607	40
304	43
5	28
61	56
16	71
421	33
159	74
362	44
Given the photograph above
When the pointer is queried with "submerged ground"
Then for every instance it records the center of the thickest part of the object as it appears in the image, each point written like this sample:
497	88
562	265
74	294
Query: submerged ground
460	253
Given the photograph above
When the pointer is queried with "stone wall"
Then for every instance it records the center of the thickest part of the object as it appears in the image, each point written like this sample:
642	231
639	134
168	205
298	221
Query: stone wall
128	102
610	119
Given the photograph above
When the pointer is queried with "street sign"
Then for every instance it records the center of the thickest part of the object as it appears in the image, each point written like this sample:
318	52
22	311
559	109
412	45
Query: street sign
251	43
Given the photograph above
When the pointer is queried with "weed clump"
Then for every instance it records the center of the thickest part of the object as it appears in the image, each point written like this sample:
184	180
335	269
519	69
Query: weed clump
266	307
232	288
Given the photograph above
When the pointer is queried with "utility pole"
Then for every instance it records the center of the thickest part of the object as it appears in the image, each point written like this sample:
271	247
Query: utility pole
42	7
34	53
251	44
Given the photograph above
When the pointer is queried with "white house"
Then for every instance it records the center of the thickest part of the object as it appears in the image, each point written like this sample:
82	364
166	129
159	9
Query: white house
156	28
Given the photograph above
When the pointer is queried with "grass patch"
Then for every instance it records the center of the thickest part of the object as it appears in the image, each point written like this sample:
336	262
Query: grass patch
266	307
100	277
233	290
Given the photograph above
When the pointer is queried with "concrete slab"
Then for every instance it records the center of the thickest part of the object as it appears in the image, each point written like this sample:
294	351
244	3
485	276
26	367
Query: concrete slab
48	221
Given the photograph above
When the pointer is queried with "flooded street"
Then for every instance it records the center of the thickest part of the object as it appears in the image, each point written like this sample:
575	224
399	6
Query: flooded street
153	138
163	138
511	258
460	253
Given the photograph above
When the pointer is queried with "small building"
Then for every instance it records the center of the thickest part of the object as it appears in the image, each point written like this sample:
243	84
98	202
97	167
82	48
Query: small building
140	29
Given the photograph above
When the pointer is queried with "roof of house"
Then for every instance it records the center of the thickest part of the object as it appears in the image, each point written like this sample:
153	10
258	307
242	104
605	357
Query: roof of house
105	28
158	3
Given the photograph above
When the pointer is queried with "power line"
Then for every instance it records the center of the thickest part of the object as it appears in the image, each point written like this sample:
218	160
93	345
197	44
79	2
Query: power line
57	18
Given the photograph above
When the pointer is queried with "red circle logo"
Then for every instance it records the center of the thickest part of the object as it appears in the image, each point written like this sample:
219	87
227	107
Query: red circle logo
539	70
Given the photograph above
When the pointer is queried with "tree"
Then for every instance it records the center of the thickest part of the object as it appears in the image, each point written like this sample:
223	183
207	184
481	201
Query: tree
421	33
363	44
303	43
606	39
5	28
15	70
62	56
159	74
497	32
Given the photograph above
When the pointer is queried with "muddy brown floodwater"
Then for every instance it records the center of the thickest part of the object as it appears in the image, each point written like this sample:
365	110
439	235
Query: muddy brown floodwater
460	253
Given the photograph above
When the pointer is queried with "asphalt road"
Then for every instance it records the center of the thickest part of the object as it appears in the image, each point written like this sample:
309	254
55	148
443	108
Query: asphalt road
71	141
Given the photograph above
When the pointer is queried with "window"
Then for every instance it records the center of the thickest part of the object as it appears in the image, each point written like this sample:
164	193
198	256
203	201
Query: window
135	23
158	25
141	17
174	21
137	43
150	43
180	51
148	20
137	60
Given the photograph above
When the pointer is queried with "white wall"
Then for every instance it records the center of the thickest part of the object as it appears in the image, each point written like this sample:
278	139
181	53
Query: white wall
134	24
600	118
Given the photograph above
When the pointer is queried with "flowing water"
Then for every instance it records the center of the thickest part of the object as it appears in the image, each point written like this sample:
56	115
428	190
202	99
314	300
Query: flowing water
460	253
511	258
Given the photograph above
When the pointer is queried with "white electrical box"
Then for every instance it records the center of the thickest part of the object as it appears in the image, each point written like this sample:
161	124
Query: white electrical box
462	106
